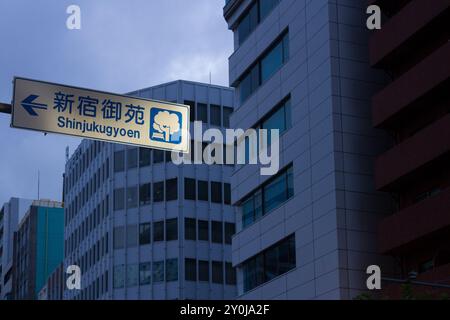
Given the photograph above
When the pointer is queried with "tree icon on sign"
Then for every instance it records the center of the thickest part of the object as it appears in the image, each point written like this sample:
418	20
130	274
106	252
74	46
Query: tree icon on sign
165	125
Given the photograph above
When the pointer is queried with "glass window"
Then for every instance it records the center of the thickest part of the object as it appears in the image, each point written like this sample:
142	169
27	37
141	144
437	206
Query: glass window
227	111
119	195
203	230
217	272
216	232
272	262
271	62
144	156
158	156
132	197
275	193
119	237
230	229
190	269
172	269
119	276
132	275
171	229
119	161
172	189
215	115
190	229
145	275
202	112
132	237
203	270
132	157
191	105
202	190
158	271
216	192
189	189
248	23
227	193
145	194
230	274
158	231
144	233
158	191
266	7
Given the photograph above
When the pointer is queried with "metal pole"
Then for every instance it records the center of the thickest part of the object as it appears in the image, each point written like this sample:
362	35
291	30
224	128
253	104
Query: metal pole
5	108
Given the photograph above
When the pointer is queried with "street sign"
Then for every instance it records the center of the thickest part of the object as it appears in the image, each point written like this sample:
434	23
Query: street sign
86	113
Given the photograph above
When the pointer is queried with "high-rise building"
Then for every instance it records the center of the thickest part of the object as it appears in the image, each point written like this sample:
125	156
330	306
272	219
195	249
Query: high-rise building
11	214
141	227
413	47
38	248
309	231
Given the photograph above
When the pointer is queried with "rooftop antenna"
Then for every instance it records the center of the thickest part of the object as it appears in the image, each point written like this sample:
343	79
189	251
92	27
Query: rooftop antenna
39	176
210	77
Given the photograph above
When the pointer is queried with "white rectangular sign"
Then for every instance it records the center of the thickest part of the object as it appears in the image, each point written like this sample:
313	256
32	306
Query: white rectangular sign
86	113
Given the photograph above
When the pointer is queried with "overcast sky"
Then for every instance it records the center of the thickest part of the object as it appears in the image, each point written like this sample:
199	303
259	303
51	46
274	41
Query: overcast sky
123	45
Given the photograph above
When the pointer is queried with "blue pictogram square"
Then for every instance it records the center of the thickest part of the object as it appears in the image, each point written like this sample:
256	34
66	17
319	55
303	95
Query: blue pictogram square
165	125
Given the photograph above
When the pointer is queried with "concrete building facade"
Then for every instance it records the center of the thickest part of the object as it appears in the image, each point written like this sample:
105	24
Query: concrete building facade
141	227
308	232
11	214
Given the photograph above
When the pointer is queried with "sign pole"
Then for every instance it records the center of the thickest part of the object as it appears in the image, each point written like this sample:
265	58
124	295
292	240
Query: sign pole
5	108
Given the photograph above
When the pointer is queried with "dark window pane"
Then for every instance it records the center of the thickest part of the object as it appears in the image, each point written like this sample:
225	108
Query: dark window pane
158	231
202	112
202	190
132	157
245	87
227	193
215	115
271	62
189	189
158	156
119	237
217	272
216	232
158	271
230	229
203	270
203	230
230	274
144	156
190	229
227	111
266	7
119	199
145	275
171	229
172	269
132	236
275	193
144	233
145	194
132	197
190	269
119	161
158	191
216	192
191	104
172	189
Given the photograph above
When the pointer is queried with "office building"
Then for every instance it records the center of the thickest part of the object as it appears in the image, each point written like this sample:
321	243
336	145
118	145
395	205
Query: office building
310	231
413	48
11	214
141	227
38	248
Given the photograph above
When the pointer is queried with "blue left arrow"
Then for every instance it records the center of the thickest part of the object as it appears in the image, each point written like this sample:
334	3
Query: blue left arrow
29	105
